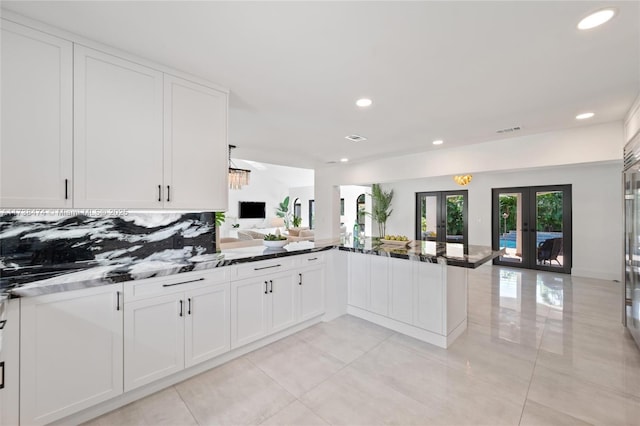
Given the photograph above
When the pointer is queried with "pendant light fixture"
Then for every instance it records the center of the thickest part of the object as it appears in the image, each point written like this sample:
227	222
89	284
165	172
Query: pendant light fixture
237	177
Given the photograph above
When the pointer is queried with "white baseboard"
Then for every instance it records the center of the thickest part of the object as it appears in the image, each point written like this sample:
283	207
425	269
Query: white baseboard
600	275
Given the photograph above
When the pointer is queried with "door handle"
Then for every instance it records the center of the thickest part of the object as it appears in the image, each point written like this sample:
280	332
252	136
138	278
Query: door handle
181	307
300	281
117	300
266	289
189	306
168	193
159	192
271	281
66	189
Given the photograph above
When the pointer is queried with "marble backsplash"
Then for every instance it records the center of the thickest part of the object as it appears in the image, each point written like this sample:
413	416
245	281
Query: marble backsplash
136	244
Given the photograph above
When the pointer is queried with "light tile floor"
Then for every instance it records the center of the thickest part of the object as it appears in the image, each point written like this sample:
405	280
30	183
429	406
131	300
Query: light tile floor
540	349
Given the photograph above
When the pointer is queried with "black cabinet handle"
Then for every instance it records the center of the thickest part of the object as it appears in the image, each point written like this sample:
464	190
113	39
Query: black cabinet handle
181	308
117	300
183	282
159	192
168	193
312	259
300	280
2	323
271	281
2	375
66	189
267	267
189	308
266	287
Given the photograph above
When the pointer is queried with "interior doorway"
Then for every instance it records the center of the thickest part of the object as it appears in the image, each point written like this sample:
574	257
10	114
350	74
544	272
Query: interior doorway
533	225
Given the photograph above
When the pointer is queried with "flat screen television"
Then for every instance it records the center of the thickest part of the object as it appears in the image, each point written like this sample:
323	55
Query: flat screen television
252	210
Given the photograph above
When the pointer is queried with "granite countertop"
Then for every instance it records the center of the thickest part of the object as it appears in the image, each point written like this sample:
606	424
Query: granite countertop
466	256
92	274
80	275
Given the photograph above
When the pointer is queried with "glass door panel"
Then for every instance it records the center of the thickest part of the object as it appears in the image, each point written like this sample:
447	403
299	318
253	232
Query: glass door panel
454	206
549	225
510	226
428	218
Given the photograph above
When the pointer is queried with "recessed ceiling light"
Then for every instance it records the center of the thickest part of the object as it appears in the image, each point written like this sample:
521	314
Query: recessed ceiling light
344	160
584	116
364	102
438	142
596	19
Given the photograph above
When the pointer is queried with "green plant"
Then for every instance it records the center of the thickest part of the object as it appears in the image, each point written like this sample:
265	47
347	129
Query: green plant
283	211
220	218
381	207
297	221
273	237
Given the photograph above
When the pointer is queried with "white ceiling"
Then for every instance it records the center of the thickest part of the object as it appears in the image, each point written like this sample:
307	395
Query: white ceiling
456	71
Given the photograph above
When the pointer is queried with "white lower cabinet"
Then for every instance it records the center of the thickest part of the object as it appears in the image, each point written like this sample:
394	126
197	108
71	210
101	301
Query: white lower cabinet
311	285
401	278
70	352
359	279
379	285
261	306
430	299
168	333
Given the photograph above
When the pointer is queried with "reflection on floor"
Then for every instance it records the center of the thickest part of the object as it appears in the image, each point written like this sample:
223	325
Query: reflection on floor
541	348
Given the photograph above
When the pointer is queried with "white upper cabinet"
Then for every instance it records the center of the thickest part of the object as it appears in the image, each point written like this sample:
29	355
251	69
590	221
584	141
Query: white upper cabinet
118	107
195	146
36	137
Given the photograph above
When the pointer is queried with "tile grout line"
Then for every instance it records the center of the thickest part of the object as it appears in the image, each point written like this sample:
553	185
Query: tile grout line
533	370
185	404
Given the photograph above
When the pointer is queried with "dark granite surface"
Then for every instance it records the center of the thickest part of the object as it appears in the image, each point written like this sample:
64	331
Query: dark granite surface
467	256
75	277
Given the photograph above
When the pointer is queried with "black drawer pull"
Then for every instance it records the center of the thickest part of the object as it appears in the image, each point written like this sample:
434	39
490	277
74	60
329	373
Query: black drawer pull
266	287
66	189
313	258
181	307
183	282
168	193
117	300
271	281
159	192
2	375
300	281
189	307
267	267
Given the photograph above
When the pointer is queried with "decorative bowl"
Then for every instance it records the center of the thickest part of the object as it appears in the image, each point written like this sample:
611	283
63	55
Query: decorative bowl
275	244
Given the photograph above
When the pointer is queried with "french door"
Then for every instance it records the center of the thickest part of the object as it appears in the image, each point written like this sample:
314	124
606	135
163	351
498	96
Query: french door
442	216
533	225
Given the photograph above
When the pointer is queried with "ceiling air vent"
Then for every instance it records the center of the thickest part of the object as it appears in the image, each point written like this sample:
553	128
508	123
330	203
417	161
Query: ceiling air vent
355	138
509	129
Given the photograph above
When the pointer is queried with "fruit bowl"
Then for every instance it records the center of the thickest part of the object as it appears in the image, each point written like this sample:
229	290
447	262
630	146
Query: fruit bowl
395	242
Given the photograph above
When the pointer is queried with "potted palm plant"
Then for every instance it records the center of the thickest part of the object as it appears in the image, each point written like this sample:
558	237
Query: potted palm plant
381	207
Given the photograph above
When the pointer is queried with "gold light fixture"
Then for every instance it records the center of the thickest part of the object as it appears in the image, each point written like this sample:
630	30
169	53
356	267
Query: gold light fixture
237	177
462	180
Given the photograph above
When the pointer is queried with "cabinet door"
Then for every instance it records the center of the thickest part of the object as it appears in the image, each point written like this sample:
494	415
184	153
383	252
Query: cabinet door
401	277
195	146
36	119
283	301
379	285
206	324
70	351
153	339
359	279
311	284
430	297
248	310
117	132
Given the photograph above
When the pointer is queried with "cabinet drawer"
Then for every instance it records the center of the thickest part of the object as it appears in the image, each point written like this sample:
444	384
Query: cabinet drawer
262	267
175	283
310	259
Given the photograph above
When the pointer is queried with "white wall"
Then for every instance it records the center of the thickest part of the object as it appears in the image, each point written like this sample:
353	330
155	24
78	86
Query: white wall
596	205
632	121
304	194
577	156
